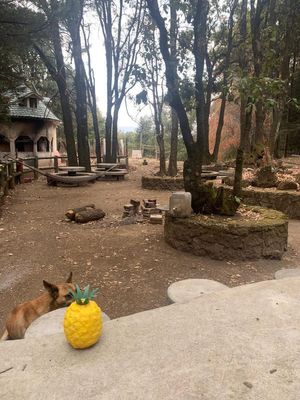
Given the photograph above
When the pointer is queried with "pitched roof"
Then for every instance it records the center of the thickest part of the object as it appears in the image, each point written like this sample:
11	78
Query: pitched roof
40	112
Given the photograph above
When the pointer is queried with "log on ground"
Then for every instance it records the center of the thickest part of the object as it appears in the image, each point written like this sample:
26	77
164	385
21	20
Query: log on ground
71	213
89	215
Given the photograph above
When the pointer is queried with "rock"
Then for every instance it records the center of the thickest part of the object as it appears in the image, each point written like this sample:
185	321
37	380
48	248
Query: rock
265	177
287	273
189	289
287	185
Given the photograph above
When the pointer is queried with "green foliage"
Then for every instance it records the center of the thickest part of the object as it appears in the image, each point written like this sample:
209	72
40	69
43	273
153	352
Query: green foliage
83	297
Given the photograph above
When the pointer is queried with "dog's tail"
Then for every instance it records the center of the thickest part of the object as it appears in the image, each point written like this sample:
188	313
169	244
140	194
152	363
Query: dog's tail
5	335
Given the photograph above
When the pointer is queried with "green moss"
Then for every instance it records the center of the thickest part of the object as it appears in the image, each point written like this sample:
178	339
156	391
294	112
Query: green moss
221	223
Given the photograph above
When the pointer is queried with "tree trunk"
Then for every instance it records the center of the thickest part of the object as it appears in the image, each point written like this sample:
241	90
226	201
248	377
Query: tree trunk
245	115
225	81
115	146
199	51
107	30
91	94
81	107
259	123
59	75
172	170
96	129
219	129
64	96
192	169
73	22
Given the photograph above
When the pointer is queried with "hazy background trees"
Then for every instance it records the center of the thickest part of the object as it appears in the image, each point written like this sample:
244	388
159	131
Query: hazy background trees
216	76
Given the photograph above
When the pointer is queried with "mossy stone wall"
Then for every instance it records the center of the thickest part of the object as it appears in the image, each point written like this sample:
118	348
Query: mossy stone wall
224	238
162	183
285	201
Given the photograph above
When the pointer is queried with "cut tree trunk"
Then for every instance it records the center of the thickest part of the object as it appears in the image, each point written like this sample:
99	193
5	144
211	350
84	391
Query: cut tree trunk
89	215
71	213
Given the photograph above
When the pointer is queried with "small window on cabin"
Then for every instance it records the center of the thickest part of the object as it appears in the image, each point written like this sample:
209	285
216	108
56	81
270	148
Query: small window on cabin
33	102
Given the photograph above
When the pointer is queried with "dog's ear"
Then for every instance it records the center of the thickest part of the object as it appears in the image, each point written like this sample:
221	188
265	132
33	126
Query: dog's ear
52	289
69	280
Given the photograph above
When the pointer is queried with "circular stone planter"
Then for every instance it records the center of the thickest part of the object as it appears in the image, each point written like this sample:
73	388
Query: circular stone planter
162	183
224	238
171	183
285	201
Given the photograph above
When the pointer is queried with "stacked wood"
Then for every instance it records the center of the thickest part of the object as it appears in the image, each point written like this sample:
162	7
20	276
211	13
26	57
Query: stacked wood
72	212
149	208
89	215
156	219
128	210
149	203
136	204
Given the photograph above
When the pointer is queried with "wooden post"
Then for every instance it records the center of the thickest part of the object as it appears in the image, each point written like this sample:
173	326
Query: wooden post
36	165
11	176
126	153
2	181
5	180
55	164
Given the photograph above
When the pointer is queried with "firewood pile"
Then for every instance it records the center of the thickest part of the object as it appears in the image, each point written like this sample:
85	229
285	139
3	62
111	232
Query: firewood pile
148	211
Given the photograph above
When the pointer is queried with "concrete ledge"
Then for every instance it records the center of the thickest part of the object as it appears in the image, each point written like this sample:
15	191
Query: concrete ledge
236	344
287	273
190	289
50	324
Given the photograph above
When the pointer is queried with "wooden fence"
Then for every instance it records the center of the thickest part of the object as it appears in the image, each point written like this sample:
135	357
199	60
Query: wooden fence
9	173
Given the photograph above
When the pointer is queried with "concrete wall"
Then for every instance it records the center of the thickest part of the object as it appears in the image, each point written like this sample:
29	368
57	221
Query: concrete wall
34	129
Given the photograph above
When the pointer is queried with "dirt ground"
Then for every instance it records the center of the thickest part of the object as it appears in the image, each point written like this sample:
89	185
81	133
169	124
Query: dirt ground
131	265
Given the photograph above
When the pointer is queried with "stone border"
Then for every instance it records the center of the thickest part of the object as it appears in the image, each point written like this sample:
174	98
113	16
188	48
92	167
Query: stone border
162	183
223	238
285	201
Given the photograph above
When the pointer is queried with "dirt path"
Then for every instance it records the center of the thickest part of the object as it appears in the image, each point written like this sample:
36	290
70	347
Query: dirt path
130	264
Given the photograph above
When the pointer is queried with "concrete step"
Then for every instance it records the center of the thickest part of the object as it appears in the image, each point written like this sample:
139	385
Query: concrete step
235	344
287	273
190	289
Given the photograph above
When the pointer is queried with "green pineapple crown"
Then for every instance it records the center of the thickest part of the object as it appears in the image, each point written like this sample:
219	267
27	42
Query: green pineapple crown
83	297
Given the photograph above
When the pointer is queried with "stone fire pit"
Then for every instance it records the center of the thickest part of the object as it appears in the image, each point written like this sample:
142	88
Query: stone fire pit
254	233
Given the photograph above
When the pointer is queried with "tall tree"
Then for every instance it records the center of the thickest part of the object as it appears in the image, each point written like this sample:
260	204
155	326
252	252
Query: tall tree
172	168
245	104
91	85
152	81
55	63
73	18
204	198
121	22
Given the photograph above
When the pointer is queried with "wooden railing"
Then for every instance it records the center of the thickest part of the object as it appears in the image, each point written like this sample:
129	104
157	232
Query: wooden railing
9	174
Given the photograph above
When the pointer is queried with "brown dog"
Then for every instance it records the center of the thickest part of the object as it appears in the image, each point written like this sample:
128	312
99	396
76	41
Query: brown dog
24	314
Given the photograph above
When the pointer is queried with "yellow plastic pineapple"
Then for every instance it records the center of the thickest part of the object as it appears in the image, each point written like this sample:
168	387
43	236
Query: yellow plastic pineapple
83	319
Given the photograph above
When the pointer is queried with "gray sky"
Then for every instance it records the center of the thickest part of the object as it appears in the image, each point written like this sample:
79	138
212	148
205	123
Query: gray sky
99	65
